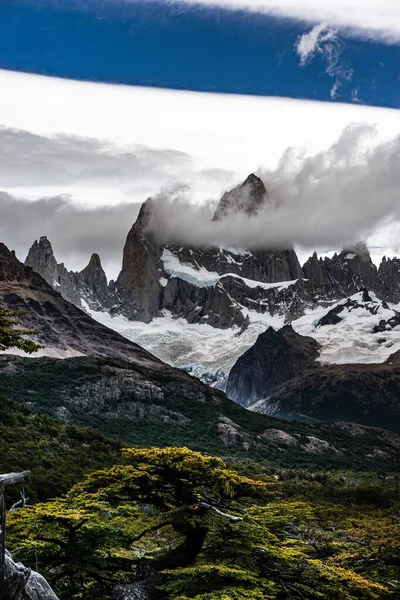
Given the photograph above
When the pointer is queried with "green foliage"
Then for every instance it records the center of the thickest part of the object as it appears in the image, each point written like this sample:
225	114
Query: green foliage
73	388
188	526
12	334
58	455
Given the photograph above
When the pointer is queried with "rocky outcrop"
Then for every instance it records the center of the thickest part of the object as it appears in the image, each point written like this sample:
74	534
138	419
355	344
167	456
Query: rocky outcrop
389	279
212	305
276	357
138	285
23	584
368	394
351	271
92	284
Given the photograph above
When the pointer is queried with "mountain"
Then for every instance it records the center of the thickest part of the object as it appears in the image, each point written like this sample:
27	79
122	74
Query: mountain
87	288
122	390
276	357
201	308
290	375
366	394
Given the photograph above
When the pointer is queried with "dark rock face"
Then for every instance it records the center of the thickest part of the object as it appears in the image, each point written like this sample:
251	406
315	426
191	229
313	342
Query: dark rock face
41	259
93	285
90	285
247	198
138	285
276	357
351	271
263	266
211	305
389	278
368	394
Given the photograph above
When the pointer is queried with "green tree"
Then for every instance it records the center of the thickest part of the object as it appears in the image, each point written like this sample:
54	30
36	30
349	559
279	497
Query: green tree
185	526
12	333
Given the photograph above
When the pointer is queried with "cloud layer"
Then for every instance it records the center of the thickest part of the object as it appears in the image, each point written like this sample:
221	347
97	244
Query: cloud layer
328	200
74	232
331	199
59	156
94	170
366	18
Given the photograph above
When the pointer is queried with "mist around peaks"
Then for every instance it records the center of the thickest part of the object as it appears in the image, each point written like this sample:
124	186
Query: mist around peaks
331	199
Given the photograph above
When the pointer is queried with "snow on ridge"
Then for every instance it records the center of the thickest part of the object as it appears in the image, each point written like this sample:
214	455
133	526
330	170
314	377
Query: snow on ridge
201	277
47	351
352	340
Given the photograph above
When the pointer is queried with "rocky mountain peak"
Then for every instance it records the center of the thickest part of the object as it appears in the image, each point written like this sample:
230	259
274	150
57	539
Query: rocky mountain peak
138	284
248	197
41	259
144	216
94	261
276	357
92	282
89	287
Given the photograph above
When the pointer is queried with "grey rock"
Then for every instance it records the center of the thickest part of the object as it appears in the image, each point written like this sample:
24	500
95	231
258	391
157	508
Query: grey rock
138	284
24	584
389	279
89	285
247	198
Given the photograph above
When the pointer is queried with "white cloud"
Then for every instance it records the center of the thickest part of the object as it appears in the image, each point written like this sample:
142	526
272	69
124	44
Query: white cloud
335	197
324	41
235	133
107	144
367	18
313	41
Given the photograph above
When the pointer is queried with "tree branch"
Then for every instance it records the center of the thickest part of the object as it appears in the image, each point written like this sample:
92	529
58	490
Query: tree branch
233	518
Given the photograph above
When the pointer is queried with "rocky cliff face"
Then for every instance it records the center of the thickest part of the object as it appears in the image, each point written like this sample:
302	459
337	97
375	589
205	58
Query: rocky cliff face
148	282
86	287
352	270
138	285
365	394
199	284
276	357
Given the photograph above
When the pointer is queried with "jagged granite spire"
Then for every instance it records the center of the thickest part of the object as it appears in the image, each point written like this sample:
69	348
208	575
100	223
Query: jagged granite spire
95	280
138	284
247	198
41	259
89	287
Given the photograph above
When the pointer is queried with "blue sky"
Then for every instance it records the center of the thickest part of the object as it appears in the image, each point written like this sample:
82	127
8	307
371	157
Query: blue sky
203	48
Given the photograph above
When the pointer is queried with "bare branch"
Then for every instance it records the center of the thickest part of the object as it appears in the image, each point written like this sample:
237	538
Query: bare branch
233	518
